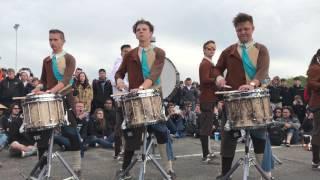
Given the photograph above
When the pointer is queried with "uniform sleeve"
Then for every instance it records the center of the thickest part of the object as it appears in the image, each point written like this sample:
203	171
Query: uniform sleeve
123	69
313	81
204	73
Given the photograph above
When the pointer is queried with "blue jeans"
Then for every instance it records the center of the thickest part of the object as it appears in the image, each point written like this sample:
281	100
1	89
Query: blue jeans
70	139
3	139
169	148
105	143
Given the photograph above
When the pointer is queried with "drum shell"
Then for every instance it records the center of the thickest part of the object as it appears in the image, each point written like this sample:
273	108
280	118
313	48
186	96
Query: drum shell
42	112
248	109
143	109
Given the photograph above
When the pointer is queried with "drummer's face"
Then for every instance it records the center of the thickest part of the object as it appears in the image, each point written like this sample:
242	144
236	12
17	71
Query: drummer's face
143	33
244	31
56	42
209	50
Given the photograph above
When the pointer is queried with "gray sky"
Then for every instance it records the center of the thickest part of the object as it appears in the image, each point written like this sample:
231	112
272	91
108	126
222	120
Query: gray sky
95	30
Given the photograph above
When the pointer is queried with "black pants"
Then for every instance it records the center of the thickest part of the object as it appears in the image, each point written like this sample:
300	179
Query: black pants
133	138
315	154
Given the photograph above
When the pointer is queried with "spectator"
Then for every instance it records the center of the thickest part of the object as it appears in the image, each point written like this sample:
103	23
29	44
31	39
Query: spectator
35	82
297	88
275	90
175	121
27	86
124	50
10	87
189	93
19	143
291	126
66	139
190	118
97	131
76	75
307	124
286	98
102	90
110	116
3	136
83	91
276	134
299	108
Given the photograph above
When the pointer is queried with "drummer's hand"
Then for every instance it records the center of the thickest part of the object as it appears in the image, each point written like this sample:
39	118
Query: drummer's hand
120	84
246	87
221	81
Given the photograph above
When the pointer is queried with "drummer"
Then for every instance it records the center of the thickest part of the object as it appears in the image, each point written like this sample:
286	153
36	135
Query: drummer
143	66
247	65
207	121
56	77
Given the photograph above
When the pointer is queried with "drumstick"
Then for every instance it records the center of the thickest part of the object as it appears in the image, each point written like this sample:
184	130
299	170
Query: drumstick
227	86
64	88
19	98
226	92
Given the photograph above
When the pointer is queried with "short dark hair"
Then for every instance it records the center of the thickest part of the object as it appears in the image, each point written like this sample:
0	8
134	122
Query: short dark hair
208	42
142	21
57	31
79	69
125	46
13	105
242	17
102	70
188	79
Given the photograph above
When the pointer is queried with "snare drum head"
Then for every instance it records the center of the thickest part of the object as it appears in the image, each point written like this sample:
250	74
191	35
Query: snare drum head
169	79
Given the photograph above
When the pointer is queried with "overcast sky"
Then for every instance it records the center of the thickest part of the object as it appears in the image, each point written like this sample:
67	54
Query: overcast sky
95	30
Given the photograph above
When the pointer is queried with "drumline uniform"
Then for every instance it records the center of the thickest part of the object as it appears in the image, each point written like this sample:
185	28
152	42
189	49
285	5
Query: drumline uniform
231	60
132	66
313	83
207	99
57	66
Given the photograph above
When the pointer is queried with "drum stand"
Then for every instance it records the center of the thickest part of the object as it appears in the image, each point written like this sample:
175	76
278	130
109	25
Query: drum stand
247	161
45	172
145	152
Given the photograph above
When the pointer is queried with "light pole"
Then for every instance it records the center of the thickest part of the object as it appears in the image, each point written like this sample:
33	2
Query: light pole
16	26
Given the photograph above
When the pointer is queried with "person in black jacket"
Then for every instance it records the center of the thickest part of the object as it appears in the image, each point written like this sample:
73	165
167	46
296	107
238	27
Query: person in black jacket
275	93
189	93
19	143
286	97
27	86
10	87
96	131
102	90
297	88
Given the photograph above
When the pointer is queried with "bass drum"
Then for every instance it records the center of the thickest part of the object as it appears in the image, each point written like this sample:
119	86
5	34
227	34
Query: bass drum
170	79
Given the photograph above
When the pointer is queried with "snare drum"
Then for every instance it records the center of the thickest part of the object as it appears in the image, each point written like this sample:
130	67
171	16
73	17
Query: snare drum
250	109
142	108
43	111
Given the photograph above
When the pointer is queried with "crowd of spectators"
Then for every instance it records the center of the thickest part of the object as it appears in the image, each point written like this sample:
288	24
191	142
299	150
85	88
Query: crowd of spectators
96	113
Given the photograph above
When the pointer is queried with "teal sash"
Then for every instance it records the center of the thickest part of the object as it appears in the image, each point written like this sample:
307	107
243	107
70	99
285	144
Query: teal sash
55	69
247	63
145	67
